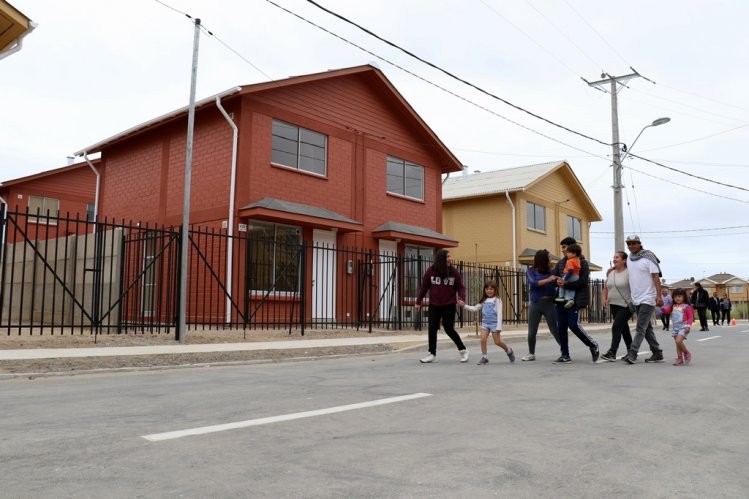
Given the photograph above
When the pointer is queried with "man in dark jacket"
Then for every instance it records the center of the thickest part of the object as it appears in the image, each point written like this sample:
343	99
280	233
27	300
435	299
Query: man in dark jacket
700	300
715	308
570	317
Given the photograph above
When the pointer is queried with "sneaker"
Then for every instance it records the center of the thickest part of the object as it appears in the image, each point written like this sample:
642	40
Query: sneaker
630	358
429	358
656	357
611	357
569	304
463	355
563	359
529	357
511	355
483	361
688	358
594	353
679	361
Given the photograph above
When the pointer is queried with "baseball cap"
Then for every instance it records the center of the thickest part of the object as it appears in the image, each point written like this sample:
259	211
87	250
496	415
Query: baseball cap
633	237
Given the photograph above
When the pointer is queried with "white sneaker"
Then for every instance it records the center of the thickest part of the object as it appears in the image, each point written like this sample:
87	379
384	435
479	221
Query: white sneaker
429	358
530	356
463	355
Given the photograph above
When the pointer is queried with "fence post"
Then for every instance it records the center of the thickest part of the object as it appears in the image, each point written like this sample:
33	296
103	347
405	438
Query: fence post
181	324
303	285
3	254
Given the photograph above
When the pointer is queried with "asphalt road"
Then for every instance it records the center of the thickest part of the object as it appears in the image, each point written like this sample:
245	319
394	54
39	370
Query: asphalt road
501	430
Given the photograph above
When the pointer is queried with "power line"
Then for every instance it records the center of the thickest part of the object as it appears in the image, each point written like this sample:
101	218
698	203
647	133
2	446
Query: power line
597	33
706	229
438	68
564	34
671	182
697	139
689	174
454	94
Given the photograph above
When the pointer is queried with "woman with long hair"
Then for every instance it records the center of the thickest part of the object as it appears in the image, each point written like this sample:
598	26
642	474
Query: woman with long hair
445	287
617	296
541	302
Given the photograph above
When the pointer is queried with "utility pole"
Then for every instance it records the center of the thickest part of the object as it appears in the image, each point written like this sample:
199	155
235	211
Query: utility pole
613	87
181	319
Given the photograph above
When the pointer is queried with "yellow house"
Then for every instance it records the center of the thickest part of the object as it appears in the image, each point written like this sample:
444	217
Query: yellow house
503	217
736	288
13	27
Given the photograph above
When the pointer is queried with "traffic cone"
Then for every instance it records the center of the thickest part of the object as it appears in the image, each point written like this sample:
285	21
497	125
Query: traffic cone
733	322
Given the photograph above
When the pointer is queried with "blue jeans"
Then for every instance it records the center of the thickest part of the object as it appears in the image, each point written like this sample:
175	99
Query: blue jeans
570	318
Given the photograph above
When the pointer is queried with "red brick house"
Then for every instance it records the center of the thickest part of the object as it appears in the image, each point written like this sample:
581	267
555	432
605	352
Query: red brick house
68	191
337	158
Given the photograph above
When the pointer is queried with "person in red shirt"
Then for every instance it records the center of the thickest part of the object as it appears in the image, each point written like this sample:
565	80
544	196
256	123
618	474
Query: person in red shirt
445	287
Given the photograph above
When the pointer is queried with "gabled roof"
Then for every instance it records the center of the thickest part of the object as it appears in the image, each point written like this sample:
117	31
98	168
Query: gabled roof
373	74
54	171
520	178
722	278
684	283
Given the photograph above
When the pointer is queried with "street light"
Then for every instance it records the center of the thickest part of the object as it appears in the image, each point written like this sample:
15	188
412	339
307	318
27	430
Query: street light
618	211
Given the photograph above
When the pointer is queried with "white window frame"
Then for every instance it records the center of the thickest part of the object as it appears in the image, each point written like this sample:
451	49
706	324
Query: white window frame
45	206
300	146
532	213
405	166
571	228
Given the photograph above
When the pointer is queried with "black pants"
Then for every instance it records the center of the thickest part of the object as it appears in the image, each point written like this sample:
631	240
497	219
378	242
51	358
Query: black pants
726	317
665	319
716	316
620	328
702	312
446	314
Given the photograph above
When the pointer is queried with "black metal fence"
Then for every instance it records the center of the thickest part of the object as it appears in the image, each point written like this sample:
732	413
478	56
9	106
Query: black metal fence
66	275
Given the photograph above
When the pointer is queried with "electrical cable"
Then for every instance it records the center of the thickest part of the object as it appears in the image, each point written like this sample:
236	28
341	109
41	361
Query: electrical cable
680	230
671	182
597	33
454	94
434	66
688	174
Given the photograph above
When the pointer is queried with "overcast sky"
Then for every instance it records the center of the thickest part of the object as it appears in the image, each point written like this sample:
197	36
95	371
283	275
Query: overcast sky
93	69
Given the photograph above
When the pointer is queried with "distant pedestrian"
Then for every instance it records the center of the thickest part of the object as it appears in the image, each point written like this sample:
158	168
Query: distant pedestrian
491	321
569	318
682	318
725	308
700	300
666	308
445	287
617	297
715	308
645	286
541	300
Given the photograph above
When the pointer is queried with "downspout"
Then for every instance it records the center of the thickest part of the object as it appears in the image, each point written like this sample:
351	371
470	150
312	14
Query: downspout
232	184
514	235
98	185
19	41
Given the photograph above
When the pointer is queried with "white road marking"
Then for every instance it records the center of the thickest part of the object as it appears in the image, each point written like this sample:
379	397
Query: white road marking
709	338
157	437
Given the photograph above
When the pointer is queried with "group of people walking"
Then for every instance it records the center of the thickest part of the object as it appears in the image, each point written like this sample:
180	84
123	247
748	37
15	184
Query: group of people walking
558	293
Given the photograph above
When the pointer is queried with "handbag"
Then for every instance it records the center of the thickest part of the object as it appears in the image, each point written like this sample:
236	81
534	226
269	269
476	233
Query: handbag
630	306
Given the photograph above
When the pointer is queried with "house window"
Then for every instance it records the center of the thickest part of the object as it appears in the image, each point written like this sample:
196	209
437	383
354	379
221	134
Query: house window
298	148
274	257
90	212
47	208
736	289
418	259
405	178
574	228
536	216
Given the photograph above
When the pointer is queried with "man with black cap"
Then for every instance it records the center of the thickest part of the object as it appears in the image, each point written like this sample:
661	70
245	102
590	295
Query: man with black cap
645	285
569	318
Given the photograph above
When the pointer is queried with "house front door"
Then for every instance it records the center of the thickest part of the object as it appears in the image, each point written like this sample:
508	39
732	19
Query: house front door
323	275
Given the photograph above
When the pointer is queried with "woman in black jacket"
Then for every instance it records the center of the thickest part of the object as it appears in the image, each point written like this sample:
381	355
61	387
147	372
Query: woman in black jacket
700	300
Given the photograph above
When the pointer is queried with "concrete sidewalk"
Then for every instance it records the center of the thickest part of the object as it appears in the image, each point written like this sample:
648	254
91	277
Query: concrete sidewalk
57	353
